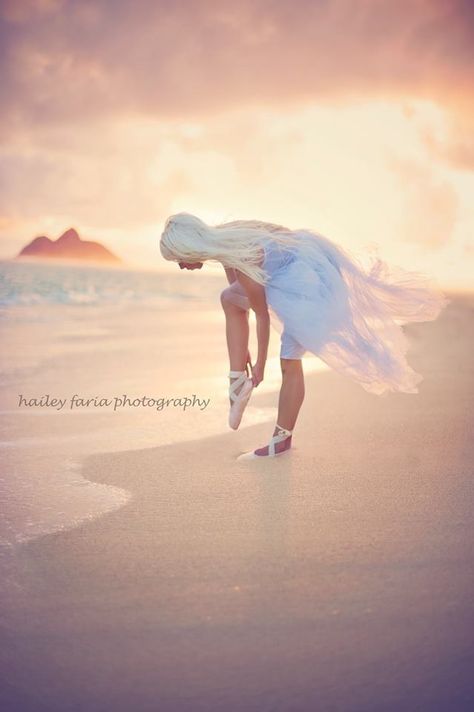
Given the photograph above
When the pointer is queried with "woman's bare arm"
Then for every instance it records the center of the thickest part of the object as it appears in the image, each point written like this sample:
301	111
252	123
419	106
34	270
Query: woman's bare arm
258	302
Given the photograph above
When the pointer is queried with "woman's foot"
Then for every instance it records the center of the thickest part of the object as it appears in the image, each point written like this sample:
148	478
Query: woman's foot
280	443
240	390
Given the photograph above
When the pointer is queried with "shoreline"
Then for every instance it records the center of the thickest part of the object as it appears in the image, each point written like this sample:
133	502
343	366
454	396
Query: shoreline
260	411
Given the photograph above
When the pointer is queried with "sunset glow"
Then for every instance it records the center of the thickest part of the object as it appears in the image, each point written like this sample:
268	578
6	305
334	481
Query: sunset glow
370	153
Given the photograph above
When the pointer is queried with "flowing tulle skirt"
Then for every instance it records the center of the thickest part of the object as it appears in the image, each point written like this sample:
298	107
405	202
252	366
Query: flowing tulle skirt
348	316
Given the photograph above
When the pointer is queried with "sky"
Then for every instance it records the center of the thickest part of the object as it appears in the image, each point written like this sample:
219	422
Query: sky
354	119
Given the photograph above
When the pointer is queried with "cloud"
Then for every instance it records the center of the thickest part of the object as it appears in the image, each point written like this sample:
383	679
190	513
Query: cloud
69	61
22	11
103	173
454	145
349	173
430	204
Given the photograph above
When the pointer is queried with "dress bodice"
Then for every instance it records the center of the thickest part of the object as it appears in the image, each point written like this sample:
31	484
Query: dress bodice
277	256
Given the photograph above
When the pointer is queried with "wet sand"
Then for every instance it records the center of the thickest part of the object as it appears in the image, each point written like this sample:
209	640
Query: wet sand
337	577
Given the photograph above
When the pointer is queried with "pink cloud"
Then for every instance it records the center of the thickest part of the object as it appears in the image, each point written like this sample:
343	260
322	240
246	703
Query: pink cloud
67	61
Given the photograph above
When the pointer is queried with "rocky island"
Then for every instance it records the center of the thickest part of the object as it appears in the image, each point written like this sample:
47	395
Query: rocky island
68	246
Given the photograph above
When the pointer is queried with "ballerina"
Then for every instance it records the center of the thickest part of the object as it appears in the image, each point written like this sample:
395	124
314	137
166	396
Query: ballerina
318	297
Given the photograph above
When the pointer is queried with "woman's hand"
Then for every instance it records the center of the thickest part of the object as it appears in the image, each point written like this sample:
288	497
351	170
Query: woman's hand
257	372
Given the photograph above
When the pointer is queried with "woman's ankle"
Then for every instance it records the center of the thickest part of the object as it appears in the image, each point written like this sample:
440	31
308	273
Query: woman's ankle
280	430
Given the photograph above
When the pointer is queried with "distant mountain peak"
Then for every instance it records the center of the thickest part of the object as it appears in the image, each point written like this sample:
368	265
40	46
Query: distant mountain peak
41	239
70	235
68	246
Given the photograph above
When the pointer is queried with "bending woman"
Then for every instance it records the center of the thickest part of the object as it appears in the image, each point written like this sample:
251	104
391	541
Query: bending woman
318	297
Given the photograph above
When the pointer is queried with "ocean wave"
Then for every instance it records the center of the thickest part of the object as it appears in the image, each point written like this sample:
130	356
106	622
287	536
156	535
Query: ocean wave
30	284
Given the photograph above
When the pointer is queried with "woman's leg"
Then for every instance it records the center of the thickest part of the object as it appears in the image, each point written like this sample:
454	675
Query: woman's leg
237	331
289	403
291	392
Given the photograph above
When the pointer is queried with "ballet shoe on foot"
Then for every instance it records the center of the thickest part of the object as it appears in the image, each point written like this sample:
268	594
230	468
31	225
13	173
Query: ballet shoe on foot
240	399
271	450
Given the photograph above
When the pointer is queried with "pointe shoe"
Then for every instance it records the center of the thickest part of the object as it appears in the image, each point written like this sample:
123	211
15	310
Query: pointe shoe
282	434
240	399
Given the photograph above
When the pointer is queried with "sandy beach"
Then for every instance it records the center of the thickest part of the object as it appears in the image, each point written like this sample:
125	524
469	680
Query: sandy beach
337	577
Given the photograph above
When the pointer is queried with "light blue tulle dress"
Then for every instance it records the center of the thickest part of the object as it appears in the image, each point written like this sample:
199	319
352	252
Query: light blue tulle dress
323	301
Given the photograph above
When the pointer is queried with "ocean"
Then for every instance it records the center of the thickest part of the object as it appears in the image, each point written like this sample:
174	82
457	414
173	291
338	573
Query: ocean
32	283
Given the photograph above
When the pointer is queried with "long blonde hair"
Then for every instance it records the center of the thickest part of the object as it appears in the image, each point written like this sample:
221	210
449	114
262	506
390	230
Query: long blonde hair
237	244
